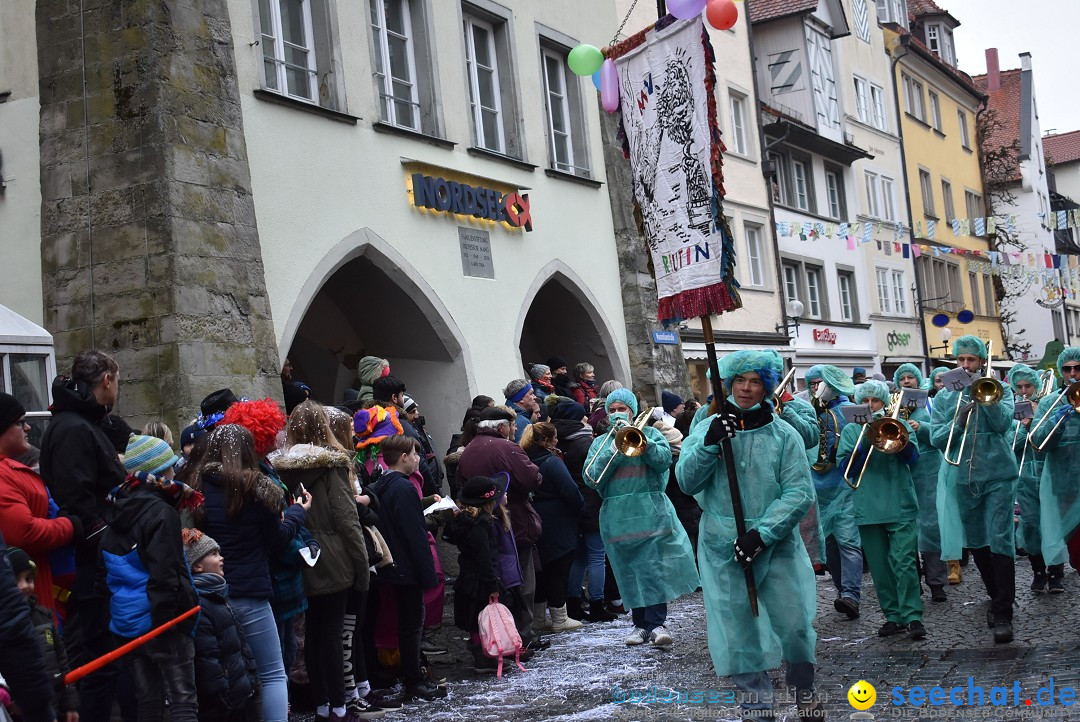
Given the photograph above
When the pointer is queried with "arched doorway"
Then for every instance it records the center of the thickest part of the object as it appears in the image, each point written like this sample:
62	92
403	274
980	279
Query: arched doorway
365	299
563	319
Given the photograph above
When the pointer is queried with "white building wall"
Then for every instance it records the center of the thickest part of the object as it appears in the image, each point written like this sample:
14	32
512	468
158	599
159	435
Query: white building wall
20	204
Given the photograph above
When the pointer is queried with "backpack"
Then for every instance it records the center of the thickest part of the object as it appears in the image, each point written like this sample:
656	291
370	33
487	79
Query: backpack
498	634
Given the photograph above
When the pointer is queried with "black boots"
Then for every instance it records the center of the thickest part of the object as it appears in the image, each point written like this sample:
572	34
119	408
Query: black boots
1055	574
573	608
597	613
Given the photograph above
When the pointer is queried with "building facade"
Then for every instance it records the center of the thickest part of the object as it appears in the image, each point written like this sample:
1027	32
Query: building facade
1063	175
434	198
938	105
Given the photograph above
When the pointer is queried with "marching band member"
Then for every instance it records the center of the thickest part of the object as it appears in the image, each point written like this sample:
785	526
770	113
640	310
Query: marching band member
976	490
830	387
774	483
925	475
887	512
1059	489
933	384
1026	383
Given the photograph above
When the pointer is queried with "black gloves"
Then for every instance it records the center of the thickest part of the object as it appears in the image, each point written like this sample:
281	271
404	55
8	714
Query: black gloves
77	527
722	427
748	546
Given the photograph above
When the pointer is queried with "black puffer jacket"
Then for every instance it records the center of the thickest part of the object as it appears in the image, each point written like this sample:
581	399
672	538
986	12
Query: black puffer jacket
225	672
56	657
21	662
401	522
575	438
78	462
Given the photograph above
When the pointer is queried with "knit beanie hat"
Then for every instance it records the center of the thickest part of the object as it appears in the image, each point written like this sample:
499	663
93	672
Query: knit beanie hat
375	424
1071	353
20	560
908	370
669	401
148	453
556	362
566	409
857	371
407	402
372	367
10	411
872	389
969	345
197	545
537	371
625	396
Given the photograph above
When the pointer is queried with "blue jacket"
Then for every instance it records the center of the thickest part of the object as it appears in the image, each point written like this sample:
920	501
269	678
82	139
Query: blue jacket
559	502
146	572
401	522
249	539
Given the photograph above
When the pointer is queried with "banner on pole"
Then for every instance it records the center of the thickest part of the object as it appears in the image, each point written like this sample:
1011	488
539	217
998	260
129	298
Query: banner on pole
673	142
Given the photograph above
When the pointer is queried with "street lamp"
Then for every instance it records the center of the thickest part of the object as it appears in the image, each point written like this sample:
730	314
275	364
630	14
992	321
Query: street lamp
946	334
795	310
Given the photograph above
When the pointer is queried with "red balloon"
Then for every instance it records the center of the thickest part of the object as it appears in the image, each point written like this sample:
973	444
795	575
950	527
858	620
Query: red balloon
722	14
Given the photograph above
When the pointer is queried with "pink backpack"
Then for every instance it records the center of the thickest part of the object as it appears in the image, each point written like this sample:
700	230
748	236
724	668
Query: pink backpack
498	634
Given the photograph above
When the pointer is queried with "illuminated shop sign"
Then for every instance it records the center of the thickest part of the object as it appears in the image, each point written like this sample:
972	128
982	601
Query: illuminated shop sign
462	199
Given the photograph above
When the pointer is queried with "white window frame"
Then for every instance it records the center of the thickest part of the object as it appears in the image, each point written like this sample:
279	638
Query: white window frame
474	84
961	119
884	299
737	110
550	55
873	194
755	256
898	291
893	11
791	282
888	205
813	292
862	100
799	171
845	282
281	79
877	107
388	101
926	188
913	108
832	192
935	110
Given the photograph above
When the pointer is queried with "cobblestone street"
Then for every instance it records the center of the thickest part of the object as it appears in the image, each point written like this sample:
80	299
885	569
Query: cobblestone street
578	677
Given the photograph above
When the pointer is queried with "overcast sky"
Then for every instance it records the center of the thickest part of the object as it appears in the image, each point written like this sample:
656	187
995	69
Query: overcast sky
1044	28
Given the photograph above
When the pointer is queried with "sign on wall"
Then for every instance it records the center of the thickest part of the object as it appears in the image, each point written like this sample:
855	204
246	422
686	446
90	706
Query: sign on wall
463	199
475	253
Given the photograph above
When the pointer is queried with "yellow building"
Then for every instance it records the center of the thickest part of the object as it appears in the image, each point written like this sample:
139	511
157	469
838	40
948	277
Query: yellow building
938	107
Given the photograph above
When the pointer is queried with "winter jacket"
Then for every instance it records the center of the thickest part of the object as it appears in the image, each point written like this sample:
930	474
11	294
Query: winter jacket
56	656
225	673
523	419
401	522
144	565
575	439
488	454
478	572
584	392
256	532
22	664
25	522
78	462
332	519
558	502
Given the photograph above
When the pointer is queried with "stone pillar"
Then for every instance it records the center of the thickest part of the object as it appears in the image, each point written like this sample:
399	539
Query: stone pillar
149	246
653	367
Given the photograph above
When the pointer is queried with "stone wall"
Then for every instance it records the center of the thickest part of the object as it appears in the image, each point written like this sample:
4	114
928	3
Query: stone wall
149	247
653	367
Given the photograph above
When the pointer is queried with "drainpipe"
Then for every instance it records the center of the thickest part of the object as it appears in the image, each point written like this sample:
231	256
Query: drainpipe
765	147
903	41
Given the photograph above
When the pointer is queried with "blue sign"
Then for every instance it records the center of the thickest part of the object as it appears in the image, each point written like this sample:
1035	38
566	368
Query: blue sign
462	199
669	338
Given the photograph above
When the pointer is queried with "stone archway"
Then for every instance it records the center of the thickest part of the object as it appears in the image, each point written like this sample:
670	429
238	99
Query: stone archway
364	298
561	317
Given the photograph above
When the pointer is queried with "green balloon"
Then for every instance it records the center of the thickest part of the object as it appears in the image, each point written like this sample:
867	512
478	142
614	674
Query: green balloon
585	59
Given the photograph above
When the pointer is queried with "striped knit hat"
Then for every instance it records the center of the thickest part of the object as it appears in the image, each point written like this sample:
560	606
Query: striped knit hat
148	453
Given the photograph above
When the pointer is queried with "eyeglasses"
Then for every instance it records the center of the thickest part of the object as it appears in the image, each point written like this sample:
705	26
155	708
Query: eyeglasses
1070	368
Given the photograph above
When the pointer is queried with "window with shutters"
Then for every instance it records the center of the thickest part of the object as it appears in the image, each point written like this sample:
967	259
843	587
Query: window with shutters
862	19
823	78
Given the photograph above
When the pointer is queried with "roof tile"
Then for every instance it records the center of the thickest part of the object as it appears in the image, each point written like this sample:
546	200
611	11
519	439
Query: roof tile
1063	147
763	10
1005	101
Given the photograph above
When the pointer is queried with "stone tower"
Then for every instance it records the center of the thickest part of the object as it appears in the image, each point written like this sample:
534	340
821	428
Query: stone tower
149	244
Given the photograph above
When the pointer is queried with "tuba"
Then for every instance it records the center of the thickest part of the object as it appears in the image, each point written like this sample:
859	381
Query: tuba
826	459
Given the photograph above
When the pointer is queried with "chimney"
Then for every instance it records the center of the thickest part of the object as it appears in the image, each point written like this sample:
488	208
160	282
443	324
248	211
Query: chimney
1025	61
993	71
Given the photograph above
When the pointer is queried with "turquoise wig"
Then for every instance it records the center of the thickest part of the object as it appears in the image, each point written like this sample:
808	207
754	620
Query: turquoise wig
765	363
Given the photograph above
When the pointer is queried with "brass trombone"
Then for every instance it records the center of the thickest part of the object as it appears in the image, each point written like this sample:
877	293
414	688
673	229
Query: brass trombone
778	405
1047	382
886	435
1071	396
630	441
985	391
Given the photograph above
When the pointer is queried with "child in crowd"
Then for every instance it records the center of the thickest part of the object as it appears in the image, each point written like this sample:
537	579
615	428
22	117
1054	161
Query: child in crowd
472	531
401	523
56	658
225	674
148	579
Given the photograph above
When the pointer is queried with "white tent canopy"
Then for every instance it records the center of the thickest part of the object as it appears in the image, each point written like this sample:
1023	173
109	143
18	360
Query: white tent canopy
18	331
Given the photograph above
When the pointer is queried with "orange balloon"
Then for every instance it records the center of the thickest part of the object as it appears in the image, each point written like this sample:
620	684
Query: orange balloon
722	14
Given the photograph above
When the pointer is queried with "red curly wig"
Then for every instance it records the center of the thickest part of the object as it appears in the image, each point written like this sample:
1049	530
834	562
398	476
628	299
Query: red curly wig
262	417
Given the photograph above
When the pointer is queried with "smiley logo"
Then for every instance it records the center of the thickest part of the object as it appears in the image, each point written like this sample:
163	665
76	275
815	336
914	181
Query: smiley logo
862	695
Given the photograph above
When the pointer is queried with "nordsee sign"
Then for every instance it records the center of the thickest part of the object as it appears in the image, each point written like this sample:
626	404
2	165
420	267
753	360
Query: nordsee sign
463	199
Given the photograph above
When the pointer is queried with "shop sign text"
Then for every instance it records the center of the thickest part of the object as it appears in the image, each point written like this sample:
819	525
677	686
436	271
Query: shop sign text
897	340
824	335
463	199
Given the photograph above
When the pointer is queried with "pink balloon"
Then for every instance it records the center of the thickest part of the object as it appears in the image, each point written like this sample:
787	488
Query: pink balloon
686	9
722	14
609	86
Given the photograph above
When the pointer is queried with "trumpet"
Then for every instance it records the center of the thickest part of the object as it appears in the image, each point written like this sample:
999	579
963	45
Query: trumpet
630	441
1071	396
985	391
778	405
886	435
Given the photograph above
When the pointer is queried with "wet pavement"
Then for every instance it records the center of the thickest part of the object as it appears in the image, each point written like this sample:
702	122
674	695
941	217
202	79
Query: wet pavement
591	674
